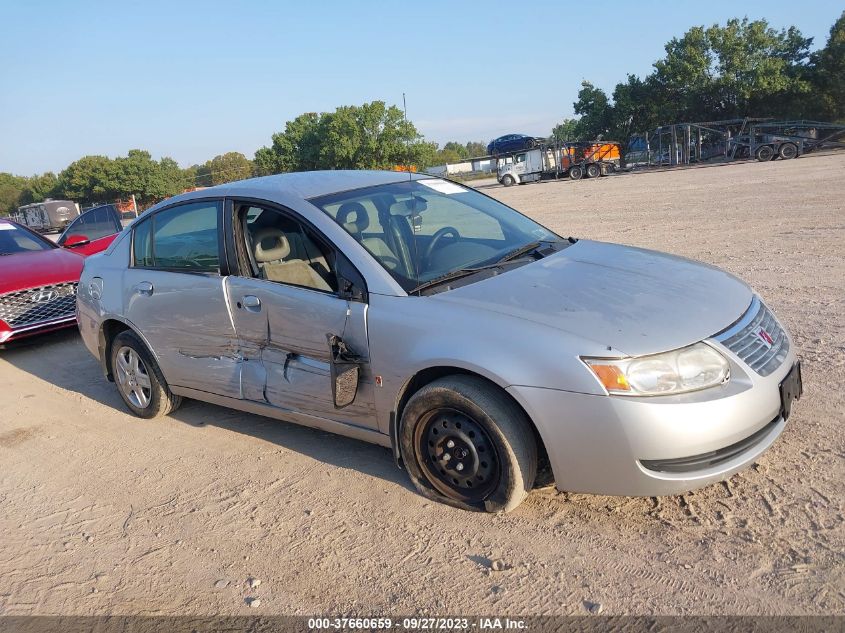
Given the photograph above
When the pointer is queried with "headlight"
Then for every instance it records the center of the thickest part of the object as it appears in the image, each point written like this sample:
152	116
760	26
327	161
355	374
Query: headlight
690	368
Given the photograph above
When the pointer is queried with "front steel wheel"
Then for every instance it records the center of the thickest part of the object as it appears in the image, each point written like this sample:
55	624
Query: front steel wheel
466	443
456	455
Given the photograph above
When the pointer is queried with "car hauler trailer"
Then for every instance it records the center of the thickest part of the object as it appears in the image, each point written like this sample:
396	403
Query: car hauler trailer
50	215
737	139
589	159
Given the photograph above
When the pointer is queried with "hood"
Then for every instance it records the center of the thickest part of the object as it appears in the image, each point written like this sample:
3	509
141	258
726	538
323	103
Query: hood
38	268
636	301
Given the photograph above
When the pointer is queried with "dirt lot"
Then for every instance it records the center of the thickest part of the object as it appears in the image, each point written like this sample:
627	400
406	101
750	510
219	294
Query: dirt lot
104	513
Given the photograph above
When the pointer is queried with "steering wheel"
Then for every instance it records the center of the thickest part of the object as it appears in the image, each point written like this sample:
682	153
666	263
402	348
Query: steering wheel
439	235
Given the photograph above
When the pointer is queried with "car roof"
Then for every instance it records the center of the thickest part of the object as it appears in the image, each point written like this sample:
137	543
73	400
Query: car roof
305	184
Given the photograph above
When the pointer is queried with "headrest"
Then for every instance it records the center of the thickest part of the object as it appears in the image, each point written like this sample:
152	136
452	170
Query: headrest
353	217
270	244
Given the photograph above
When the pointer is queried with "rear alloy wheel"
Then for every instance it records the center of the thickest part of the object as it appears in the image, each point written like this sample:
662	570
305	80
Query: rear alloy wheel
465	443
593	171
764	153
508	180
575	173
138	378
787	151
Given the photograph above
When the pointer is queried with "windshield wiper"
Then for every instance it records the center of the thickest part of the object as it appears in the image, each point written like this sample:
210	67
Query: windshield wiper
463	272
522	250
455	274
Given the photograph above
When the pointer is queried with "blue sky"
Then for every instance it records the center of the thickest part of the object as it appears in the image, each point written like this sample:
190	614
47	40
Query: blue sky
192	80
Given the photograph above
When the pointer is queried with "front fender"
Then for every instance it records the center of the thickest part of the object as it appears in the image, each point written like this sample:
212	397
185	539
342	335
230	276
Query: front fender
411	334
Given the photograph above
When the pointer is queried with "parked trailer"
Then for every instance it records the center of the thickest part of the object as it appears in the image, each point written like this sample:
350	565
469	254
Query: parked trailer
733	139
589	159
769	140
47	216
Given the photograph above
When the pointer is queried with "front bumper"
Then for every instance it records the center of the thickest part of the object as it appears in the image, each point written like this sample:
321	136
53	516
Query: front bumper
8	334
660	445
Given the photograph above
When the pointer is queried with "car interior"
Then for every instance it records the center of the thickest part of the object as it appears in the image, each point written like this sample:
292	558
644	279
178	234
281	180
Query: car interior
402	233
283	250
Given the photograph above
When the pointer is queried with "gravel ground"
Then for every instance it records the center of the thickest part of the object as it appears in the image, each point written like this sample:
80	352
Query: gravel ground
104	513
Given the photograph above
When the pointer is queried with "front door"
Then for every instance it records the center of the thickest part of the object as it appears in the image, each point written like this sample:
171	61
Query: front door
285	304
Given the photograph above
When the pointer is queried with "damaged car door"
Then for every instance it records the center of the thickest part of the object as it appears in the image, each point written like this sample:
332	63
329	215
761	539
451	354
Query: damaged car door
301	326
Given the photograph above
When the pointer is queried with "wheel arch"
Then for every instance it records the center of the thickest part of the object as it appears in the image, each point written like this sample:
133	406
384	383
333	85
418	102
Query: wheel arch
428	375
109	329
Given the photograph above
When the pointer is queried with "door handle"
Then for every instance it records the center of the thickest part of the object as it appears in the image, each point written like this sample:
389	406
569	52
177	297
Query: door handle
251	303
144	288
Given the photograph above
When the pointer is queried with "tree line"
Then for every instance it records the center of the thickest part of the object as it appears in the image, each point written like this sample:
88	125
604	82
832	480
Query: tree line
743	68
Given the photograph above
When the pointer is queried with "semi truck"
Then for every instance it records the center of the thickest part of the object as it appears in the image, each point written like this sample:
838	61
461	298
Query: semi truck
47	216
589	159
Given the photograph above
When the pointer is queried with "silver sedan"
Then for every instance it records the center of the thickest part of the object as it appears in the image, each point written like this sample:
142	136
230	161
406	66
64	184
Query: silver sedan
490	354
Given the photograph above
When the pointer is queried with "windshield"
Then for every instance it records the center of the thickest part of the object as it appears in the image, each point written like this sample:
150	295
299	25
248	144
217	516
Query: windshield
14	239
422	230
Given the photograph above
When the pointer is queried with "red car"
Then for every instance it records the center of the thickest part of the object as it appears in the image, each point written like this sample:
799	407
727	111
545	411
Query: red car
38	278
92	231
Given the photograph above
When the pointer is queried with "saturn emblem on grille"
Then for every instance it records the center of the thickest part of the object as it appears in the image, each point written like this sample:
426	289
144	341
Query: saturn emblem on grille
764	336
43	296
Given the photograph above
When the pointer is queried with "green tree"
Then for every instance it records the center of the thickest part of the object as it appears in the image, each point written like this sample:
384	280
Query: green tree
476	148
744	68
297	148
459	150
757	69
11	188
39	188
91	178
595	111
566	130
229	167
829	74
137	174
370	136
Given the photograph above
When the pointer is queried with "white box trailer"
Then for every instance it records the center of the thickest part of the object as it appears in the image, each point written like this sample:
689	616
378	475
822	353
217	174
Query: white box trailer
50	215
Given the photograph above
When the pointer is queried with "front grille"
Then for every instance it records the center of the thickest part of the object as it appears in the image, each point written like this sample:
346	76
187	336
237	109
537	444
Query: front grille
711	459
38	305
745	339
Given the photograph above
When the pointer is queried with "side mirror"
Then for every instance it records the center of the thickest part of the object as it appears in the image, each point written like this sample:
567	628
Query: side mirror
76	240
345	371
348	290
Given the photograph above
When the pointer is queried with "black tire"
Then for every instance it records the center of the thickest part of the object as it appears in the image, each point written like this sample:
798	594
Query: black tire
495	461
788	151
592	171
764	153
507	180
159	400
530	143
575	172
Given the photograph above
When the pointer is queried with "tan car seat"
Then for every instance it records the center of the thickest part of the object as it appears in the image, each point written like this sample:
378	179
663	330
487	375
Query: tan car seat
271	250
352	216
